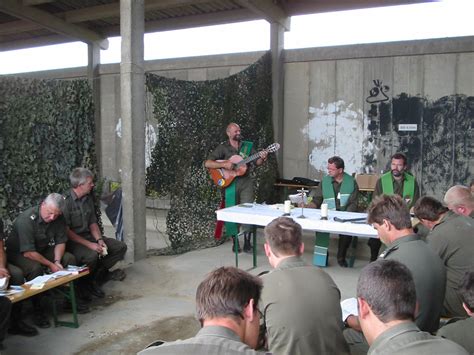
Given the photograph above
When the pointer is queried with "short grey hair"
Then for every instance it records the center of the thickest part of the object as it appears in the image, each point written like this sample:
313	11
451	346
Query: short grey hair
459	195
56	200
79	176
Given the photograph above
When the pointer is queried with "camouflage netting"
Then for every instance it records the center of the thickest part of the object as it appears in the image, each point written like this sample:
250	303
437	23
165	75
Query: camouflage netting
192	117
46	130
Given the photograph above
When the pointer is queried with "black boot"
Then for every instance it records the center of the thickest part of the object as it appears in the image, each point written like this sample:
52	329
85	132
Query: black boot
233	244
247	244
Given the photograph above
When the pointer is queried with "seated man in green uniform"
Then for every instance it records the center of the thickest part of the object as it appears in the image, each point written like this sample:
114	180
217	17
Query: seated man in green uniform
38	242
227	308
386	298
15	275
461	331
460	200
389	215
300	302
451	237
339	190
398	181
85	238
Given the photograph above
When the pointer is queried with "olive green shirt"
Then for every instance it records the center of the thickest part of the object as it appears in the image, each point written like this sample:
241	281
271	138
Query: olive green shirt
302	311
31	233
79	214
397	189
453	240
407	339
210	340
461	332
428	274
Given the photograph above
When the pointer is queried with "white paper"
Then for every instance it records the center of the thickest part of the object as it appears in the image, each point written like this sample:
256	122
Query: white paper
40	279
348	307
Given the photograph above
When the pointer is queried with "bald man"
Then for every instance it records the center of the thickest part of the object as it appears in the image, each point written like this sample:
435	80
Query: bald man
241	190
460	200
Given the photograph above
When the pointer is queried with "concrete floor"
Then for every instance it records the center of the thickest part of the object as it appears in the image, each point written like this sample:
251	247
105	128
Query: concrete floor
156	300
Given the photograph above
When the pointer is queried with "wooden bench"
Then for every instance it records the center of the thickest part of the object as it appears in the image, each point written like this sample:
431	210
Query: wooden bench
70	294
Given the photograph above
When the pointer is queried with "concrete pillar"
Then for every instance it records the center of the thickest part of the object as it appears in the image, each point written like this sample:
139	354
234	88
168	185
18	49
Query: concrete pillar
276	47
94	80
132	98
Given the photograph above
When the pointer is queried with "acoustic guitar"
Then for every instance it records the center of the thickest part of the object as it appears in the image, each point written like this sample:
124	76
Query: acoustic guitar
224	177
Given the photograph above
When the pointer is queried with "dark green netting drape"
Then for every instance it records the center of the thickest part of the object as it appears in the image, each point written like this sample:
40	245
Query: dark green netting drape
46	130
192	117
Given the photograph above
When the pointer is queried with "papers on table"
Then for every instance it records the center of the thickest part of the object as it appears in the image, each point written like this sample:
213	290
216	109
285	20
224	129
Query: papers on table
348	307
38	282
12	290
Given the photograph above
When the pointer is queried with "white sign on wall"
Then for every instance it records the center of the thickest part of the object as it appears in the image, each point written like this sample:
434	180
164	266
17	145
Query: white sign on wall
408	127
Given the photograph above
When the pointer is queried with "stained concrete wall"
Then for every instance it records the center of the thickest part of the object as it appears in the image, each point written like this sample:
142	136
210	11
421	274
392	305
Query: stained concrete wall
347	101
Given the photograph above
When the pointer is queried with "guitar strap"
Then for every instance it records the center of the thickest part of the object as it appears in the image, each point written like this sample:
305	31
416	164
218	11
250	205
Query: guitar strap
230	195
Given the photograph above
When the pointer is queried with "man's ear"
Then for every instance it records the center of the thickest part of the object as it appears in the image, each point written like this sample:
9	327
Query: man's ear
301	248
468	311
387	225
249	312
268	250
364	308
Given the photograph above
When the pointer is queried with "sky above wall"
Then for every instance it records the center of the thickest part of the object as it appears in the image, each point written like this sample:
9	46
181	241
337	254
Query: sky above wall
448	18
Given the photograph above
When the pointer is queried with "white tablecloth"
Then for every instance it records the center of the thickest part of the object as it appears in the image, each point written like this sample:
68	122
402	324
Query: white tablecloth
261	215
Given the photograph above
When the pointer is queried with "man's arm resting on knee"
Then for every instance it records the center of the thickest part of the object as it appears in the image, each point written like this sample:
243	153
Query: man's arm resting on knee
35	256
78	239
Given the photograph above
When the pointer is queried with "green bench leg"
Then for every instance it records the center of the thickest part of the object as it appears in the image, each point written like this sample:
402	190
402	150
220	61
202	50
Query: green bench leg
71	296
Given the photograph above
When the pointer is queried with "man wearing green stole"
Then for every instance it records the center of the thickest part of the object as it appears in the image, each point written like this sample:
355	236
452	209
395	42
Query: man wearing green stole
339	191
241	189
395	182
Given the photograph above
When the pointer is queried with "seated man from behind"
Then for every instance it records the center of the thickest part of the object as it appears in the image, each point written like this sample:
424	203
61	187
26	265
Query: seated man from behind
386	298
227	308
300	302
85	238
460	200
461	331
389	215
451	237
38	242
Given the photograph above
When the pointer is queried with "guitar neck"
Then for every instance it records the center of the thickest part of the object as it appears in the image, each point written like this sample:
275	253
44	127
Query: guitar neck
249	159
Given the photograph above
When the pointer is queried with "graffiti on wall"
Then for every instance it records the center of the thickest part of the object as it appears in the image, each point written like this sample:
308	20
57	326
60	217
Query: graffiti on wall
439	143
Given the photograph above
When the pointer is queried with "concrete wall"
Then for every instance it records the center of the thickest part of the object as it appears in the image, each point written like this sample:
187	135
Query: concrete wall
347	101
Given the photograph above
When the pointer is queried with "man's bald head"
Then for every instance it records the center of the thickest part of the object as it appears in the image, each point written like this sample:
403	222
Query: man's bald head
460	200
233	132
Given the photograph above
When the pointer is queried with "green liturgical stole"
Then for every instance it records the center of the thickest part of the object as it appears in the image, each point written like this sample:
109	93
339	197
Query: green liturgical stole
347	187
408	185
230	196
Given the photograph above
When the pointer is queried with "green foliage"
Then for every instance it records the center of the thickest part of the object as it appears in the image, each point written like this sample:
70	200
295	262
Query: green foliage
46	130
192	117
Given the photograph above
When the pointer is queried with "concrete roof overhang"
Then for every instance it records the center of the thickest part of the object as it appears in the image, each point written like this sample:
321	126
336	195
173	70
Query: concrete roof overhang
31	23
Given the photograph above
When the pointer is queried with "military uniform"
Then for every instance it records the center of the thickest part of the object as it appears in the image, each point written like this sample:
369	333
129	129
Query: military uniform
79	214
398	186
301	308
16	275
429	276
405	338
452	239
461	332
210	340
31	233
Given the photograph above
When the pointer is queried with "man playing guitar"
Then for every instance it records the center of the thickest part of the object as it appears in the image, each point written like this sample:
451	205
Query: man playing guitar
241	190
